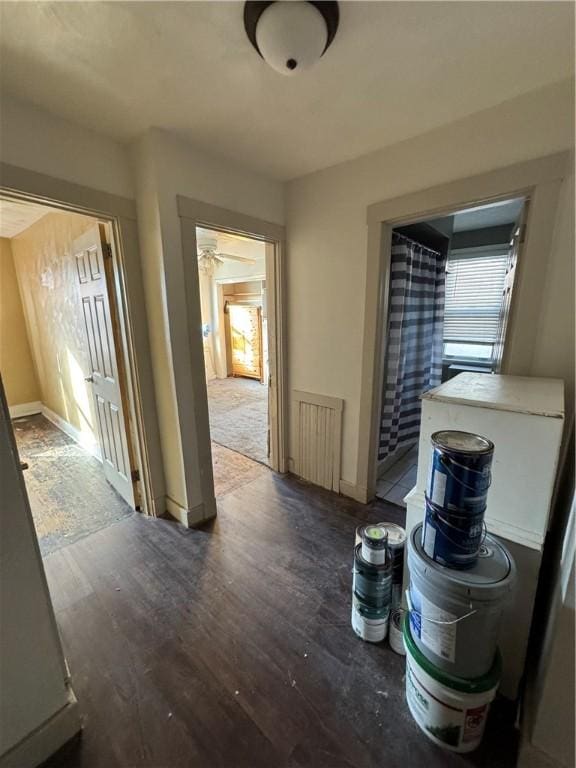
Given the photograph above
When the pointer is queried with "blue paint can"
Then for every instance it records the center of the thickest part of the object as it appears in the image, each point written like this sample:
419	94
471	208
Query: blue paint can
452	538
460	474
456	496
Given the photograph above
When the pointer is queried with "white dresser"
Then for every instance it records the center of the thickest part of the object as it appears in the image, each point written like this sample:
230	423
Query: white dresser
524	418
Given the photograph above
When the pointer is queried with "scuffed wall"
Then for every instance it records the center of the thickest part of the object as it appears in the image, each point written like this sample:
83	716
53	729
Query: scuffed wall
48	282
16	362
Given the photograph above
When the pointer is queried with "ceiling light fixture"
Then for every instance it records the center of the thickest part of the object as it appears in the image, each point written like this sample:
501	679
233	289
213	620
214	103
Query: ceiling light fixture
291	35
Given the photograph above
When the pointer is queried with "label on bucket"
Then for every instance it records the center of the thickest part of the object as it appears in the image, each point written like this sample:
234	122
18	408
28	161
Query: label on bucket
442	722
474	723
437	637
450	718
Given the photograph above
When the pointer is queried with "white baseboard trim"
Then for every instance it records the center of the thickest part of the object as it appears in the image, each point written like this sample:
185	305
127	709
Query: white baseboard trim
191	517
39	745
176	511
354	491
88	443
25	409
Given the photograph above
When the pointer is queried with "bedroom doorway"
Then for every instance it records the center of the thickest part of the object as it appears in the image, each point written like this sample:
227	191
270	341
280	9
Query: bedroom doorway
233	298
65	371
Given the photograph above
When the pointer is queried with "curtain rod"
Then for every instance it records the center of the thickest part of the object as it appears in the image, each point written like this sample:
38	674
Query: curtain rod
415	242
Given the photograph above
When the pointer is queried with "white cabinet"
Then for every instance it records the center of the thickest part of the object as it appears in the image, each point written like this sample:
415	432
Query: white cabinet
524	418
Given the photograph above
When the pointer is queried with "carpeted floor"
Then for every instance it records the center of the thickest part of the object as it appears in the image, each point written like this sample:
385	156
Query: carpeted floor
232	470
239	416
69	495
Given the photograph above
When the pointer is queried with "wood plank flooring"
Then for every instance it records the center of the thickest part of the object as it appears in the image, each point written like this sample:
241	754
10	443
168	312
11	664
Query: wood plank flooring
231	647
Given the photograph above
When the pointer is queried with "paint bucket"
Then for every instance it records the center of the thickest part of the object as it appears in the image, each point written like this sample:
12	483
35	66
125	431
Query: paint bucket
374	541
371	583
452	538
370	624
455	615
451	711
395	632
459	476
396	546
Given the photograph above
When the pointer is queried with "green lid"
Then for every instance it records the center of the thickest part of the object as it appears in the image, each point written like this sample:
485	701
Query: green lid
474	685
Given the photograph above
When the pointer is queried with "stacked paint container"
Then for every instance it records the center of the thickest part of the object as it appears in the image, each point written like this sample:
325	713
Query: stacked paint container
460	578
377	581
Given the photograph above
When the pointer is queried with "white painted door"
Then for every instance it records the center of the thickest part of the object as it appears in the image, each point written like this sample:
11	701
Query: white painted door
103	374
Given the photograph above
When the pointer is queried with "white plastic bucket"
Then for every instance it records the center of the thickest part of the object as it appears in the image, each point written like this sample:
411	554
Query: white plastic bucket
455	615
451	711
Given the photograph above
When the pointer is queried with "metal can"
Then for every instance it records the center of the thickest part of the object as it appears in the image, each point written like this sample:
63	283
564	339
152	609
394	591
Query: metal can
452	538
371	583
460	471
396	543
370	624
374	544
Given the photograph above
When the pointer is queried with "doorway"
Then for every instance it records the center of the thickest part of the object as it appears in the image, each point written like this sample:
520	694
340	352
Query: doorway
234	272
64	369
450	291
233	287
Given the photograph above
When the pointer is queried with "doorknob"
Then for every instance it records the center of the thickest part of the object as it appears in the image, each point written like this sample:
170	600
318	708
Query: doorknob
89	379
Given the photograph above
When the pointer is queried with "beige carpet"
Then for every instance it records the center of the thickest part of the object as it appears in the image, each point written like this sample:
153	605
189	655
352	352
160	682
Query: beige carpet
69	495
239	416
232	470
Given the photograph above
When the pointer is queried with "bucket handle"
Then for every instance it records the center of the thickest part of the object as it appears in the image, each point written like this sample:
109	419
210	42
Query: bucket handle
445	460
411	609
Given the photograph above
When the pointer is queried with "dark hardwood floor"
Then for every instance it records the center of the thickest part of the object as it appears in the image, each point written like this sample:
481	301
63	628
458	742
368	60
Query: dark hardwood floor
231	647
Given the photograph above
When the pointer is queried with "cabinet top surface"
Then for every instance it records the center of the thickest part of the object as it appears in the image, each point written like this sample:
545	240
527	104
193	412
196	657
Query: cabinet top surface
522	394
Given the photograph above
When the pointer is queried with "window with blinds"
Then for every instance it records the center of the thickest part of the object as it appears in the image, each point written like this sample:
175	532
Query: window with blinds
474	294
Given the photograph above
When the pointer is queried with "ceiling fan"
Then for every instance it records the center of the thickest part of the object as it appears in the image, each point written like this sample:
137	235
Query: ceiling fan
209	258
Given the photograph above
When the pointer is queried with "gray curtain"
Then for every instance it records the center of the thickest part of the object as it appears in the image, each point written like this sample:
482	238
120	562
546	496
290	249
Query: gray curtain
413	360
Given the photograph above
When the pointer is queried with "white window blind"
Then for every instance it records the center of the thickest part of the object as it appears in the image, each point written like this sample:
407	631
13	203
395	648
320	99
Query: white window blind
474	285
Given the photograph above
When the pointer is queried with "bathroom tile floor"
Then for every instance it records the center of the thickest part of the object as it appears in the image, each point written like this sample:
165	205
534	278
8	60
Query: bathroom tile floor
399	479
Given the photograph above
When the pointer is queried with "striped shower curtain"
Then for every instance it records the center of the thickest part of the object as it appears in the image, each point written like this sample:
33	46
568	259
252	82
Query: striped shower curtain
413	361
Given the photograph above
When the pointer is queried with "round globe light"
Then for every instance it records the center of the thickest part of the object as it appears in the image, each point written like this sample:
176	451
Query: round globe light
291	36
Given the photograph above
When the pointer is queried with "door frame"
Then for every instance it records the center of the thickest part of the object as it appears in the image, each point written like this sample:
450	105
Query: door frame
195	213
537	180
118	214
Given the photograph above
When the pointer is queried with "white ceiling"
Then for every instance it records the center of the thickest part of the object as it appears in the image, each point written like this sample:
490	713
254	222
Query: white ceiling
237	245
15	217
395	70
493	215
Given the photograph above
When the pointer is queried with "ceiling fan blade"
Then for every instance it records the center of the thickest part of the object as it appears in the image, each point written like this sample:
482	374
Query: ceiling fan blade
232	257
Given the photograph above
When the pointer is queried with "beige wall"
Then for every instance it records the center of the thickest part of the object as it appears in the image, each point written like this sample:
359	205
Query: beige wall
326	223
49	287
40	141
16	362
165	167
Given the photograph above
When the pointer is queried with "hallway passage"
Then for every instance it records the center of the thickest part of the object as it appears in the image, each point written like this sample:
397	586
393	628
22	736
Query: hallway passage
231	646
69	496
